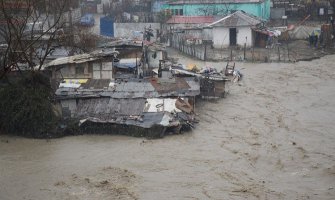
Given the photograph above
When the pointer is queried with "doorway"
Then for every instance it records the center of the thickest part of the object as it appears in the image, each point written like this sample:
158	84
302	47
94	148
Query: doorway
232	36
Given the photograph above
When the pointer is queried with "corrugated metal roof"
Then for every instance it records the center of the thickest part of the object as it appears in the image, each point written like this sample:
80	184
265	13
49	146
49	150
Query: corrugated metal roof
106	108
238	18
96	84
136	88
177	85
81	58
119	111
190	20
161	105
72	59
123	42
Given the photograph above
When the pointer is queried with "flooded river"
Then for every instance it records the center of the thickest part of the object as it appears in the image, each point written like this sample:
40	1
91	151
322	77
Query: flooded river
272	137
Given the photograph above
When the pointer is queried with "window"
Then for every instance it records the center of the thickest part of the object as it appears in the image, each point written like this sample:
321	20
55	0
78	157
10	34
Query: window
178	12
79	70
90	69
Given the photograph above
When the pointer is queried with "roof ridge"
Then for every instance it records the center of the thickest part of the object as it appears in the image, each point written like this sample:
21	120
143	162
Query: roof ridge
249	19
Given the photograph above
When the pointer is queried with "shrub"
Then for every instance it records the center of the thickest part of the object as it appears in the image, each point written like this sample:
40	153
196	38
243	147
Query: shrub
26	108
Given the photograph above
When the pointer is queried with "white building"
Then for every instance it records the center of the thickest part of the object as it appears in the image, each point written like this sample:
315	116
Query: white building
234	29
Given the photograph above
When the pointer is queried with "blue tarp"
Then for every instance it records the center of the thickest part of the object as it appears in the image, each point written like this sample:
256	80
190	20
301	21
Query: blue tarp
87	20
130	66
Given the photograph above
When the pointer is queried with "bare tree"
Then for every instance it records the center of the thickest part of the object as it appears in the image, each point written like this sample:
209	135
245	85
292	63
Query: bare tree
121	11
117	9
212	9
29	27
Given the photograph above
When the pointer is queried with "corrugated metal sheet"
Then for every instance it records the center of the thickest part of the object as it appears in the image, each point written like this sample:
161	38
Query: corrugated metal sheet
147	120
69	85
161	105
190	20
123	42
72	59
96	84
119	111
82	58
179	85
136	88
107	108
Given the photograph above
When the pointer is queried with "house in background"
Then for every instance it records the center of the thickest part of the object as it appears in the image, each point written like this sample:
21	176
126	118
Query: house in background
189	27
234	29
95	65
259	8
182	22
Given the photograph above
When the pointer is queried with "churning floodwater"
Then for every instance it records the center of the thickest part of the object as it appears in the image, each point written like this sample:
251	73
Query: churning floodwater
272	137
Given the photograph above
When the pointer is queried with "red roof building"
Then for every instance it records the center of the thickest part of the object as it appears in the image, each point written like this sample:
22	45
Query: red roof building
190	20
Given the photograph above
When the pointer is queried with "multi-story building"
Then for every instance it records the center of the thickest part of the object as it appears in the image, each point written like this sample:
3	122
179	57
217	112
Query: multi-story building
258	8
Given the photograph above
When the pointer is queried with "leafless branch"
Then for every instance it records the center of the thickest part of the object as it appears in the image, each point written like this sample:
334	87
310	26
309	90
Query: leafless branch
28	27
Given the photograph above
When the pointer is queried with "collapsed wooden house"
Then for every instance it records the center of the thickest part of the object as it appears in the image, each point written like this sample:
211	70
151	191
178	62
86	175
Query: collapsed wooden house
110	94
138	107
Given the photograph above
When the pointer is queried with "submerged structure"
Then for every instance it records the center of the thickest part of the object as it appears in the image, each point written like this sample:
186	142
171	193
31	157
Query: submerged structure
140	107
129	92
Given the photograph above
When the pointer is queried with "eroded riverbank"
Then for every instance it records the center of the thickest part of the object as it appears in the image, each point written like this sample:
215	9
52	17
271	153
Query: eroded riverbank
271	138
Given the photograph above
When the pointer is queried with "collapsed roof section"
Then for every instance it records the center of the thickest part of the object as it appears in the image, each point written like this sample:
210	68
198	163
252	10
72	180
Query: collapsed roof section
82	58
132	88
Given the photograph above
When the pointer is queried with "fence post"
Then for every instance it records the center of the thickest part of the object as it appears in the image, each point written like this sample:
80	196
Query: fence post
245	46
253	51
205	53
288	51
244	51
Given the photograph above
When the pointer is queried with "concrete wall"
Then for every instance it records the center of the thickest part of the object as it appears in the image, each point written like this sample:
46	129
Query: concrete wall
126	30
153	58
221	37
207	34
259	9
242	33
195	33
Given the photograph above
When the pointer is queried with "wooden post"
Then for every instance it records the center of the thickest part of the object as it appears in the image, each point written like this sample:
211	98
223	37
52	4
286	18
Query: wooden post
205	56
288	51
245	46
244	51
231	54
194	104
253	51
278	53
136	69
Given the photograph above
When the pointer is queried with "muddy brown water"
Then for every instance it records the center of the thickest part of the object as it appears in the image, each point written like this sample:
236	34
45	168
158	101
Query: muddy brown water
272	137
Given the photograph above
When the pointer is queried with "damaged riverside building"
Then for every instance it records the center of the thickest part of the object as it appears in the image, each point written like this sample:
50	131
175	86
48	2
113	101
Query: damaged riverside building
107	94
